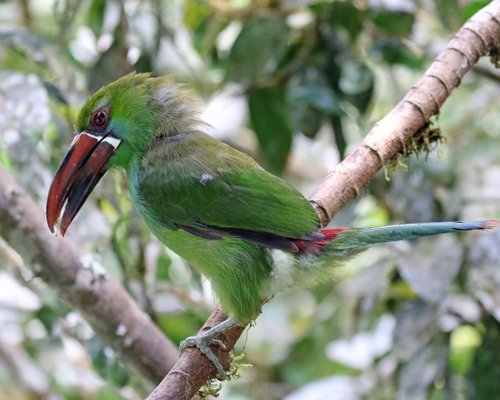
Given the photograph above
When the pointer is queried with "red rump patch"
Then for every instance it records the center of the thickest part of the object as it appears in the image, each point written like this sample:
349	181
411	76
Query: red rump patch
490	224
314	247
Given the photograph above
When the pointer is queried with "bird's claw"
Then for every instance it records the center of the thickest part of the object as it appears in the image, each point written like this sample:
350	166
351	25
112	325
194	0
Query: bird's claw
203	341
209	338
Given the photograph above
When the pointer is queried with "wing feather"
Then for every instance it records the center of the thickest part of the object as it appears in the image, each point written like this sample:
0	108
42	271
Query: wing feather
209	185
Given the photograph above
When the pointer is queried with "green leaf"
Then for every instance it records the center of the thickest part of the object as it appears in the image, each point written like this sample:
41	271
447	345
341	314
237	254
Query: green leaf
397	23
311	98
464	342
4	159
473	7
196	12
107	392
338	134
305	119
347	15
48	316
178	326
95	16
357	83
269	117
318	95
258	50
144	63
449	12
485	367
163	267
393	51
107	365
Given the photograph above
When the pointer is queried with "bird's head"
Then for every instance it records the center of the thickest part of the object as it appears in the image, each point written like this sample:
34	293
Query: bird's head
116	124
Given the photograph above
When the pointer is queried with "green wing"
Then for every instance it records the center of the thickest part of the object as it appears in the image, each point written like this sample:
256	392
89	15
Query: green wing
208	187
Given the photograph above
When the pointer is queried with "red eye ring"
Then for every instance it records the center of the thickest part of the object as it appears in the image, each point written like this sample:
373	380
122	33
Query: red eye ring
100	118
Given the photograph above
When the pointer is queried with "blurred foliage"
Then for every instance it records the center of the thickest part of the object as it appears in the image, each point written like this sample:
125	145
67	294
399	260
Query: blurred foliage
295	84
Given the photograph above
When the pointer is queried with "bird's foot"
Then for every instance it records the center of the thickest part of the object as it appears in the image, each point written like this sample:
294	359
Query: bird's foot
203	341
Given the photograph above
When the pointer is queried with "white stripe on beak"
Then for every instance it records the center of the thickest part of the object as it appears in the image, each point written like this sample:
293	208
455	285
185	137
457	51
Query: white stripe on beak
113	141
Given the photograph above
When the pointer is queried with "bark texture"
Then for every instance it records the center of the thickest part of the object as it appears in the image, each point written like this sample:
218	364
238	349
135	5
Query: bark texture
390	136
105	304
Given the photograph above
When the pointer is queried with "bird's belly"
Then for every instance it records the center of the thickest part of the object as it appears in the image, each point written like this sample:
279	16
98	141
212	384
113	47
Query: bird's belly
239	271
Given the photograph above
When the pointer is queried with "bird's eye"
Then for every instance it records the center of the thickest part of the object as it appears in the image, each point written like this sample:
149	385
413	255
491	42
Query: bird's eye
100	119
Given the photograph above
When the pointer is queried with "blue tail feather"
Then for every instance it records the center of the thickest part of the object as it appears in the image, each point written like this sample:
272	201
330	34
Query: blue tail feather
355	238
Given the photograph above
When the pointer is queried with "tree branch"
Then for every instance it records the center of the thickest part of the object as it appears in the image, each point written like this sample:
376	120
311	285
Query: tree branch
113	314
479	36
389	136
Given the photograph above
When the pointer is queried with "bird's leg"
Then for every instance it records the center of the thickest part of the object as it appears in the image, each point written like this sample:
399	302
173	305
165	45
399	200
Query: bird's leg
208	338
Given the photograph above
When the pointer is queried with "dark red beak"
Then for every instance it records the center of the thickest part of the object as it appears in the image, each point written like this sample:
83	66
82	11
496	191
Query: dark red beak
82	167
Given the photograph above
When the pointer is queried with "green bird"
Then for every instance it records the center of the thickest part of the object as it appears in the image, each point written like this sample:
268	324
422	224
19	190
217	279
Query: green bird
251	233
